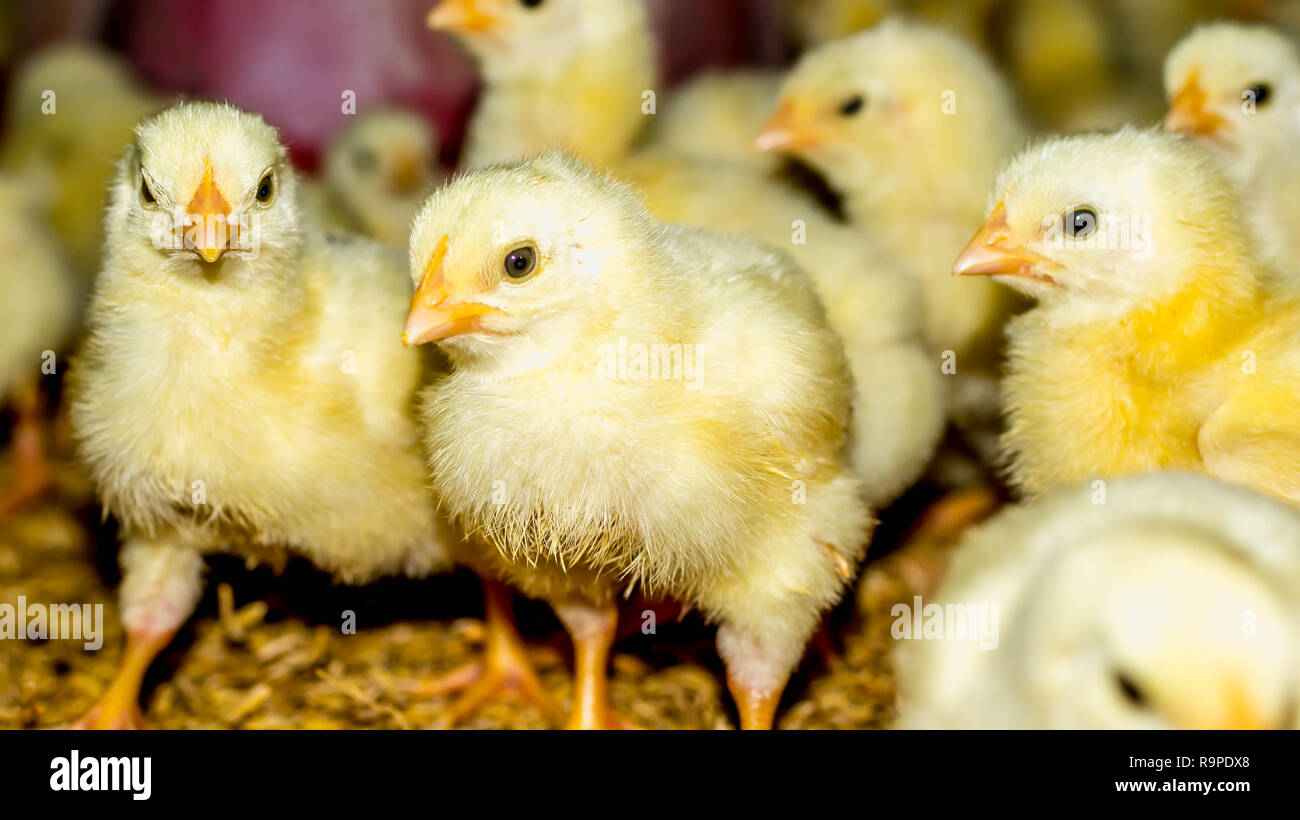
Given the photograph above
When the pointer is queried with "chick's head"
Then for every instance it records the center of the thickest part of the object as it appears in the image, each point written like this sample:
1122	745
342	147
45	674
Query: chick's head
1235	86
1106	223
205	189
1156	626
506	34
905	114
385	154
523	256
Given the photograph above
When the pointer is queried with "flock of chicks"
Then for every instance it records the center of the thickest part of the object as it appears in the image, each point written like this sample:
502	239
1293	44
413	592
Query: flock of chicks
648	361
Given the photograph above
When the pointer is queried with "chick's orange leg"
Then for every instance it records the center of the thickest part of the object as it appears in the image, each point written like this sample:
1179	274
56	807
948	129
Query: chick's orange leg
504	671
32	471
592	628
119	706
948	517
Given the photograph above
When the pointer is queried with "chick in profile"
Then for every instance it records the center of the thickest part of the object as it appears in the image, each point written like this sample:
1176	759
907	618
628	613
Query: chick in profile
909	124
636	404
1162	601
69	114
574	98
1159	339
377	172
241	388
38	308
1235	88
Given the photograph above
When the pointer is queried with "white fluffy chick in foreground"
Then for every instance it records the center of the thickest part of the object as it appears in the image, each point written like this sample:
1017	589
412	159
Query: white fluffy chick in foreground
38	308
1167	600
377	173
634	403
1235	88
241	390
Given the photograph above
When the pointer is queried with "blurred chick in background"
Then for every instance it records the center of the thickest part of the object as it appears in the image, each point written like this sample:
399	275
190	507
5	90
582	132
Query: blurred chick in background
1169	601
70	111
378	170
898	416
1159	339
909	125
243	390
725	487
575	98
38	309
1236	89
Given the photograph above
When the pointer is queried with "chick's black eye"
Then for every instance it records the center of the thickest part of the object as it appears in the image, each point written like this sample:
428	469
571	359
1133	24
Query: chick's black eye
530	4
1079	222
1129	689
146	195
520	262
265	189
852	105
1259	93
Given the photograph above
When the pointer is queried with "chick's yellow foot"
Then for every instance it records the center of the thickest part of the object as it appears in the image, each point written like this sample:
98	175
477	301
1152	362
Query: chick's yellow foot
505	670
119	706
948	517
592	628
32	471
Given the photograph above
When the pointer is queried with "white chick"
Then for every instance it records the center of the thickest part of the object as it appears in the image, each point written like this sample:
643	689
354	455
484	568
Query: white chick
241	388
634	403
1235	88
377	173
38	308
1166	600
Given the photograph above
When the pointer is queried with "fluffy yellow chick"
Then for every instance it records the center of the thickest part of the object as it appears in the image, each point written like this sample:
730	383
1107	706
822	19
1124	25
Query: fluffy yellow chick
714	117
38	308
1236	89
572	99
634	403
241	388
899	413
1158	339
69	115
377	172
1160	601
910	125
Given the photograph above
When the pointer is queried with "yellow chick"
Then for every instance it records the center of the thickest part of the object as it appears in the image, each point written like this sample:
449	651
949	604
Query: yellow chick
1236	89
634	403
38	308
1158	339
241	388
572	99
1161	601
377	172
69	115
871	303
910	125
714	117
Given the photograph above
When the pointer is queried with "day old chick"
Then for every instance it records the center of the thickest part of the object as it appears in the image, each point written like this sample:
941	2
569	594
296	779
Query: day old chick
1236	89
39	296
69	114
575	98
377	173
1161	601
634	403
242	389
910	125
1158	339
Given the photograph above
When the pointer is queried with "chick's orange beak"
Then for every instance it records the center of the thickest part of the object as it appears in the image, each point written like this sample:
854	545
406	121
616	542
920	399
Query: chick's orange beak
992	252
462	17
207	213
407	175
786	131
1188	115
435	315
